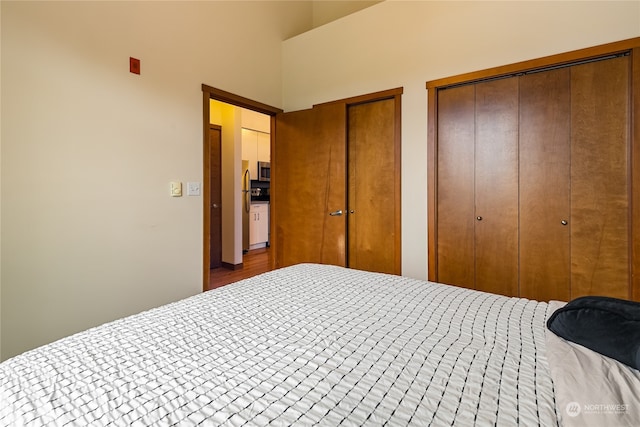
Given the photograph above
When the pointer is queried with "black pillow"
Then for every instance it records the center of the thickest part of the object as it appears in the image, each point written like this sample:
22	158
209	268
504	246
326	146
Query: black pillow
609	326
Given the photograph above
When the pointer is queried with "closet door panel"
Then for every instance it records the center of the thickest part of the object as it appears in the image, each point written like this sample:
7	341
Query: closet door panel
309	181
455	189
496	186
544	152
372	193
599	178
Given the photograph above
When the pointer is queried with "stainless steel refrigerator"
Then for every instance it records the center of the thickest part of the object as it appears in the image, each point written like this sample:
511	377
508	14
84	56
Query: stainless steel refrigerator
246	204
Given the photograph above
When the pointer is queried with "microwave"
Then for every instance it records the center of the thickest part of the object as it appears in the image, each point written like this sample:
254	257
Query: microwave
264	171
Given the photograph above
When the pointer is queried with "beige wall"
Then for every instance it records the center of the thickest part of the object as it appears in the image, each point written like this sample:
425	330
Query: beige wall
325	11
89	232
407	43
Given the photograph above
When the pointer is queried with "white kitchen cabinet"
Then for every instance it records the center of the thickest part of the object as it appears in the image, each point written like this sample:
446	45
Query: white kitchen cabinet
258	225
256	147
264	147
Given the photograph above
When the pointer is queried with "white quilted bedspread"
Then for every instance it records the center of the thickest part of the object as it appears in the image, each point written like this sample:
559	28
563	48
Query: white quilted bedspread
303	345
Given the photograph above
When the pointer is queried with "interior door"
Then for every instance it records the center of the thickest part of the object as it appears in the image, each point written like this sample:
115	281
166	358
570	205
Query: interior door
308	183
215	187
373	183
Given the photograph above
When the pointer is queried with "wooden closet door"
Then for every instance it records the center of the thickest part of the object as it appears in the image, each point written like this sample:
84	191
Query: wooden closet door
309	181
600	178
496	186
455	187
545	159
373	182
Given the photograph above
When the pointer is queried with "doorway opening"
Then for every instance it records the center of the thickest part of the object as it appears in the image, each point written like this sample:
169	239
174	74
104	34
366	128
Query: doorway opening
231	201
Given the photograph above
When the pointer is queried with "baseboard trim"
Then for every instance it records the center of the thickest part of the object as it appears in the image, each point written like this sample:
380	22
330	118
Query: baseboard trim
230	266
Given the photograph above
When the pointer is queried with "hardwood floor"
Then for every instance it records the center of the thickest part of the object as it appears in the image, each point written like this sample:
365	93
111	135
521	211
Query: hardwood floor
254	262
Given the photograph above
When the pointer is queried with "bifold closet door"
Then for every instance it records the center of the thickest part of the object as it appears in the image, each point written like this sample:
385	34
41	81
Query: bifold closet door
373	182
478	186
600	178
545	165
455	206
541	154
309	182
496	186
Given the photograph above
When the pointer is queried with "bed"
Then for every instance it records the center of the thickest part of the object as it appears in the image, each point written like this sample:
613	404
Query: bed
303	345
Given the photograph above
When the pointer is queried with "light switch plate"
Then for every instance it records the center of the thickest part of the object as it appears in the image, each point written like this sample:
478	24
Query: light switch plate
193	188
176	189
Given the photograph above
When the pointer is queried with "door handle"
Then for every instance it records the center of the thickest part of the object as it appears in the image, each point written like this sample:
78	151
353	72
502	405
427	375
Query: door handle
336	213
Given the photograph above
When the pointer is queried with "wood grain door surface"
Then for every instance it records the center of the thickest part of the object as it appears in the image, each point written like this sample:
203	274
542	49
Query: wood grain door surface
309	182
577	149
496	186
542	162
455	226
336	184
372	186
545	166
600	178
215	188
478	186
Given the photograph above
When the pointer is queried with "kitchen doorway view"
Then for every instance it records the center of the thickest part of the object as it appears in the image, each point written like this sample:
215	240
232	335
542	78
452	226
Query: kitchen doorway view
239	191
